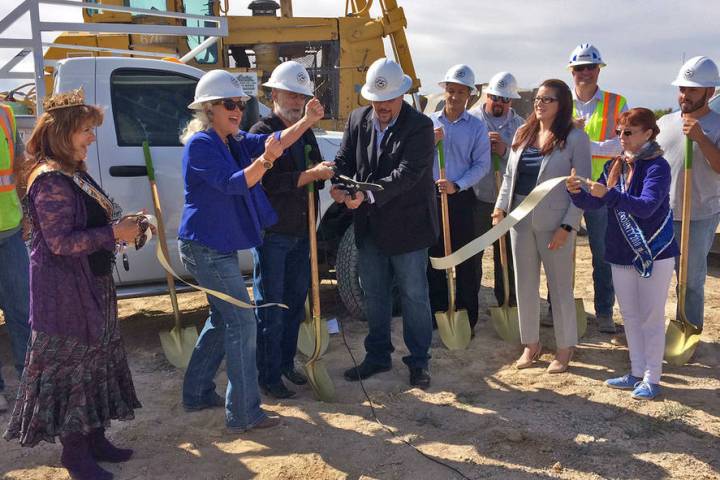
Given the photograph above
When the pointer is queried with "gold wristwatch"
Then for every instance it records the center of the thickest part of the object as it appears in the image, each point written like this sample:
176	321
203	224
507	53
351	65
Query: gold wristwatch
267	164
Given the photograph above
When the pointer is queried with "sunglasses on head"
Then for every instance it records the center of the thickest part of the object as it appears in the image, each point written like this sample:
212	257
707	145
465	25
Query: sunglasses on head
231	104
544	100
495	98
580	68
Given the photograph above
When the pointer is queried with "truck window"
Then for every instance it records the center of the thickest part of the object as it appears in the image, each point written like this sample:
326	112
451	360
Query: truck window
201	7
150	104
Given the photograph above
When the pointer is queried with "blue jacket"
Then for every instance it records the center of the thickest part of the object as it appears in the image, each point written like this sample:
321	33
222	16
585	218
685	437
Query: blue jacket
647	200
220	211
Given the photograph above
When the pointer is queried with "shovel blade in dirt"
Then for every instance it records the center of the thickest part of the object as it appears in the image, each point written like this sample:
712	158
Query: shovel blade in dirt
454	329
306	335
506	323
681	340
580	317
320	381
178	345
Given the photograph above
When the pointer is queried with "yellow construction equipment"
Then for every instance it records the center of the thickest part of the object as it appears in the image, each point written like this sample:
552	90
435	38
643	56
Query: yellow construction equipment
337	51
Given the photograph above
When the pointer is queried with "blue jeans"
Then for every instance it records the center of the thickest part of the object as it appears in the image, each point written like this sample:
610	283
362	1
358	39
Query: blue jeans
702	233
596	222
228	329
409	272
282	275
15	296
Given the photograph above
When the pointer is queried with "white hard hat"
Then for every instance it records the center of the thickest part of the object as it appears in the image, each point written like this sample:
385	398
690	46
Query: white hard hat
385	80
585	54
292	77
503	84
698	72
216	85
461	74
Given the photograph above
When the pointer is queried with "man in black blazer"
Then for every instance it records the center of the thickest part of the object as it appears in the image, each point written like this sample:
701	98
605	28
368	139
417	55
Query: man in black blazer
391	144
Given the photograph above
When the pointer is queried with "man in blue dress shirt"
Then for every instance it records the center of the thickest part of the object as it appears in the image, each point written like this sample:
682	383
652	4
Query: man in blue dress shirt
467	160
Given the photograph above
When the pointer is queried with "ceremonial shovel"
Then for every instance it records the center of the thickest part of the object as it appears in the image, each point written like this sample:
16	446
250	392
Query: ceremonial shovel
453	325
179	343
682	337
317	375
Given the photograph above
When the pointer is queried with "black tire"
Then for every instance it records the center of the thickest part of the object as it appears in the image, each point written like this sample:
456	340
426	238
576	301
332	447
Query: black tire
348	277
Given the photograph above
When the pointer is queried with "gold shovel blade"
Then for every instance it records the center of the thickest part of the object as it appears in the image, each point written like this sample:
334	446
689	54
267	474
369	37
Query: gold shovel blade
506	323
320	380
454	329
681	340
581	317
306	338
178	345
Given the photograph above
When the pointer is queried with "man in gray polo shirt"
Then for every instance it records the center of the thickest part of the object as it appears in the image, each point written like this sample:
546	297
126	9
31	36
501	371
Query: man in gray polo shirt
696	80
502	122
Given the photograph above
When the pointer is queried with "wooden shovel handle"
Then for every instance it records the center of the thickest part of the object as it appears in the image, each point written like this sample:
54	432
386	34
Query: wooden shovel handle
161	230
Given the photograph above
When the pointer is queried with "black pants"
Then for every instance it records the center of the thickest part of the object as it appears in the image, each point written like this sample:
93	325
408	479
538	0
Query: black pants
484	223
463	228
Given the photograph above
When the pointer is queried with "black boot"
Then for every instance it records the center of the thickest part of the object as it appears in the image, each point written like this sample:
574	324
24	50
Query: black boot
104	451
79	462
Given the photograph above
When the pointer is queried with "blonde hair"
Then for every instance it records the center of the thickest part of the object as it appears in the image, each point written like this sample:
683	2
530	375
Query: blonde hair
199	123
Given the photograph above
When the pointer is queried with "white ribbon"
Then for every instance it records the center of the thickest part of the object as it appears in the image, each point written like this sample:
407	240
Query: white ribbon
222	296
488	238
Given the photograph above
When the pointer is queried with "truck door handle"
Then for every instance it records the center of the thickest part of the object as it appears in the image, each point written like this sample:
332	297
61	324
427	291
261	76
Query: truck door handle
128	171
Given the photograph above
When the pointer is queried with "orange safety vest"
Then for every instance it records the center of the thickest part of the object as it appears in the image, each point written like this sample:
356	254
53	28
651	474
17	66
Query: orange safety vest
601	125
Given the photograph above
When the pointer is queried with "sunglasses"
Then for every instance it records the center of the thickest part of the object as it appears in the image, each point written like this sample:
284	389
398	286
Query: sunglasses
624	133
544	100
495	98
581	68
231	105
143	223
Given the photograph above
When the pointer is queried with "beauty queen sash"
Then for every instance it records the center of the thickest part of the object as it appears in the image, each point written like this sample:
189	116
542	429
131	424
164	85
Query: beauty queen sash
646	250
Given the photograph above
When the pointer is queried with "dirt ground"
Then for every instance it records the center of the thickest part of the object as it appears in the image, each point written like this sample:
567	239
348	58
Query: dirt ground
481	415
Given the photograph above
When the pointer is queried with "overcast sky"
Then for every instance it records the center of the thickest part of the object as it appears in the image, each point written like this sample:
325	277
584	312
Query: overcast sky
643	42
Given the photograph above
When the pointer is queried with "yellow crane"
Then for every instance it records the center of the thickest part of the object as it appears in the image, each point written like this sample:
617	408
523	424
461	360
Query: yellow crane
336	50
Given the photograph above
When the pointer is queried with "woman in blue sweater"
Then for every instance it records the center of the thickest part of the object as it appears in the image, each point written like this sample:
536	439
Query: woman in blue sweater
640	244
225	211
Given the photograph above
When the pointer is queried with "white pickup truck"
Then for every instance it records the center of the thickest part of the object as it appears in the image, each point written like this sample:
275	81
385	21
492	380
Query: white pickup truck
147	99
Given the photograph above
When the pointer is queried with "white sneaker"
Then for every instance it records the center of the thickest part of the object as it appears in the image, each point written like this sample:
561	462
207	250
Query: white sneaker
3	403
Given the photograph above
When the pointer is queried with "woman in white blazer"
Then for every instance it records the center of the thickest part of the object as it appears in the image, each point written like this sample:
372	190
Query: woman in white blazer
547	146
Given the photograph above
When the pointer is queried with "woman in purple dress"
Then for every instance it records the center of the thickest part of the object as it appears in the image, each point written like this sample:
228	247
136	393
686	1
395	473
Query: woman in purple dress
76	375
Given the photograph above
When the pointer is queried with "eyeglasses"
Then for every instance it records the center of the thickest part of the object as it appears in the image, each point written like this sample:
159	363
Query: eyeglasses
544	100
624	133
589	68
495	98
230	104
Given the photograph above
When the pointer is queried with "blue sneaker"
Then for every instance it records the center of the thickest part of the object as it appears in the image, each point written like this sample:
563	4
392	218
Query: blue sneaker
646	391
626	382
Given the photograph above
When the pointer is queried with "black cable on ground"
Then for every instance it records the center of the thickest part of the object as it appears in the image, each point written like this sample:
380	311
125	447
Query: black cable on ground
382	425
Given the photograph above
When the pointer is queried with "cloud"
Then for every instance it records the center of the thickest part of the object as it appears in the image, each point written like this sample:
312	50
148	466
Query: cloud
643	42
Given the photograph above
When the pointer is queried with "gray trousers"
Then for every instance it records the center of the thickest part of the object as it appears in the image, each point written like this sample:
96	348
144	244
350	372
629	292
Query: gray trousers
529	248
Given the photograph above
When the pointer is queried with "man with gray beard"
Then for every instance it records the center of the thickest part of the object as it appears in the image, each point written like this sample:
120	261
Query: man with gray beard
282	265
502	122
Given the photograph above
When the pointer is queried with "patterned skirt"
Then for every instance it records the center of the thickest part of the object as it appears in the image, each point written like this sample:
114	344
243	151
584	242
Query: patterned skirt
69	386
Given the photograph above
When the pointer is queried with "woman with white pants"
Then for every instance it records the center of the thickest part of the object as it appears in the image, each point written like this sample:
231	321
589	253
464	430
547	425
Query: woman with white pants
547	146
640	244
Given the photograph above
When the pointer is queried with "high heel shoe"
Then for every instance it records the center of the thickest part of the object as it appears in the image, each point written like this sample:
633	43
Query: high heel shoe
560	364
520	363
